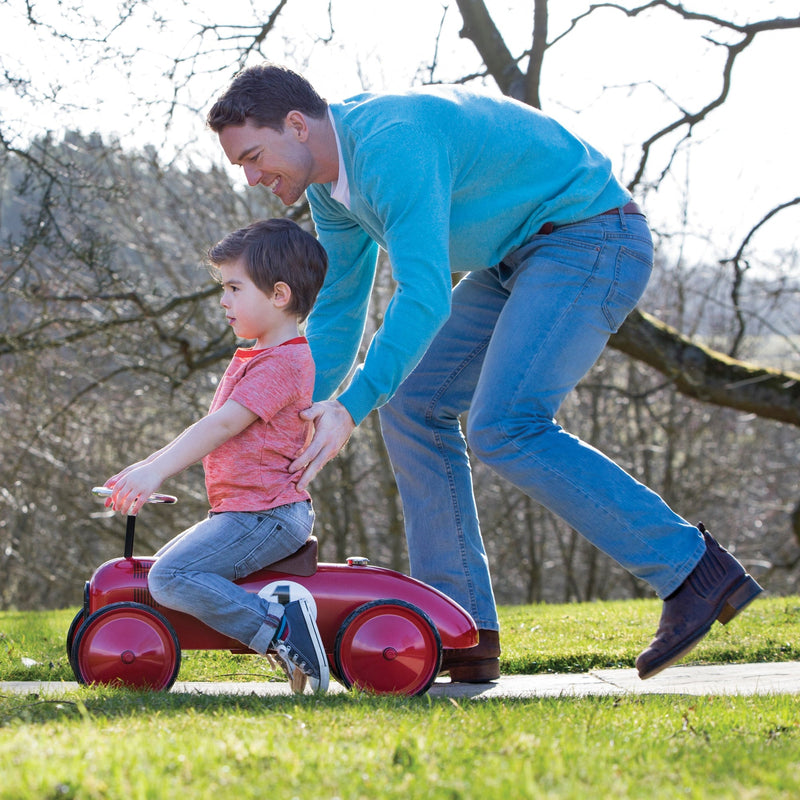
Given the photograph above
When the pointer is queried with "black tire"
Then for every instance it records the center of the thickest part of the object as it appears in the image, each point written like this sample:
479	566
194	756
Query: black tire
76	623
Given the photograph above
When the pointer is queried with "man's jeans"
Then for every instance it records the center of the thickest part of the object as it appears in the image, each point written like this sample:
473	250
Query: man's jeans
194	573
520	336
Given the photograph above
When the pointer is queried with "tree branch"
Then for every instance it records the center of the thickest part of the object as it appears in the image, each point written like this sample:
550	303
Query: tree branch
536	61
748	32
696	371
480	29
708	375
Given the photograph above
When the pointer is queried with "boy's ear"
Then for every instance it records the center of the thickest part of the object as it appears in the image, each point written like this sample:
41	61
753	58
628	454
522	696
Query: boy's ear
281	294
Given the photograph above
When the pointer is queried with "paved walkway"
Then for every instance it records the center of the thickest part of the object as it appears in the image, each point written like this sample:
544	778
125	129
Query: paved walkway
728	679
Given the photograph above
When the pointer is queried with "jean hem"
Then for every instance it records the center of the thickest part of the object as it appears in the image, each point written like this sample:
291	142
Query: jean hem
685	571
263	639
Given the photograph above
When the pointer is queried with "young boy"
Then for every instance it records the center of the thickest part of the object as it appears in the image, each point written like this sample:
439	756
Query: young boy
271	272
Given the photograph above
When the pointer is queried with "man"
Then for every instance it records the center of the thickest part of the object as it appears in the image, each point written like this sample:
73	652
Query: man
448	180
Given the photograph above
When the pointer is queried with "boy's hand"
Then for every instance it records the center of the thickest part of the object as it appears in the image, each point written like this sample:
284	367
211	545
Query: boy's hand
115	478
332	428
132	487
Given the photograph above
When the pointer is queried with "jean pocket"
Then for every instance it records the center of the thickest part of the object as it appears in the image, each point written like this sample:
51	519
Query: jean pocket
278	534
631	274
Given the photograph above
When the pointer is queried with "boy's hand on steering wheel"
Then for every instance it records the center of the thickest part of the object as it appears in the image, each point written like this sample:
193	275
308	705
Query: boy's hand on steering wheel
132	488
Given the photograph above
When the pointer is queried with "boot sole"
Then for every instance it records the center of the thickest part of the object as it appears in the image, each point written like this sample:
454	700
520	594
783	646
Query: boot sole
742	594
478	671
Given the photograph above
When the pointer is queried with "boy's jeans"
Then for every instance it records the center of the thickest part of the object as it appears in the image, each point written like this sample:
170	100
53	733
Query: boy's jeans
520	336
194	573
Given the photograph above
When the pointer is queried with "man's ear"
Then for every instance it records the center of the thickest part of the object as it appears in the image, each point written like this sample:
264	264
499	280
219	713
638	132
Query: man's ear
281	294
297	122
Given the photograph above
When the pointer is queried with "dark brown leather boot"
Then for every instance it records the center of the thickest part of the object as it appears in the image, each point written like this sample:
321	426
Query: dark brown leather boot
717	589
479	664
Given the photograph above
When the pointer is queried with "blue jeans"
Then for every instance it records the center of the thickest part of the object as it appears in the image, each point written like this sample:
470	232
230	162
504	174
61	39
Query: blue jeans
194	572
520	336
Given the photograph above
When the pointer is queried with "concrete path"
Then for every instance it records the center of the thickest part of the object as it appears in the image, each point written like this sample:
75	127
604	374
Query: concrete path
728	679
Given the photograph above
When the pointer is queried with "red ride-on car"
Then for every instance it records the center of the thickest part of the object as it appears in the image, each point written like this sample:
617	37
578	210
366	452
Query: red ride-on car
383	631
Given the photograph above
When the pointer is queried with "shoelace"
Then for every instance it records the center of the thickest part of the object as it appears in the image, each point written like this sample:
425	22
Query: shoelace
297	677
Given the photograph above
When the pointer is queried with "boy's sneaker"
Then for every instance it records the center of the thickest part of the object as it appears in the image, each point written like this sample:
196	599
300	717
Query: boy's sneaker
299	647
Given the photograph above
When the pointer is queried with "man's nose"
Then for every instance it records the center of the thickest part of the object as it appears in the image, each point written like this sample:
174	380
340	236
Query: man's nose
252	174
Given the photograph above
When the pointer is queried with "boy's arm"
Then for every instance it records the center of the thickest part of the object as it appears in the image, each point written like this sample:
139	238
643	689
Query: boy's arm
135	484
114	478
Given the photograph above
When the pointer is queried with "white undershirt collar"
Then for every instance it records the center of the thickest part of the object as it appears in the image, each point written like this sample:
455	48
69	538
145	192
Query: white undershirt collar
340	188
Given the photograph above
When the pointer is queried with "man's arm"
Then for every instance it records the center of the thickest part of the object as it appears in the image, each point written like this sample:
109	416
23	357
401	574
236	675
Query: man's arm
336	324
407	212
414	217
135	484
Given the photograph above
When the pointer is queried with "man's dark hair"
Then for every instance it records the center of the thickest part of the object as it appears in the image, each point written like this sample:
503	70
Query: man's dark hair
277	250
265	94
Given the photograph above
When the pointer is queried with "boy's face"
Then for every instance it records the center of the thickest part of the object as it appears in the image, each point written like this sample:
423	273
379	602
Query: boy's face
280	161
250	312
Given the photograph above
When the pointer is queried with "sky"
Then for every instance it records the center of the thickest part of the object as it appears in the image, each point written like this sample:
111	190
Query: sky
741	163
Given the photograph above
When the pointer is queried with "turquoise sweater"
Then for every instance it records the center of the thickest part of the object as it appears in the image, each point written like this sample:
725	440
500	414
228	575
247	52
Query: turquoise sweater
445	180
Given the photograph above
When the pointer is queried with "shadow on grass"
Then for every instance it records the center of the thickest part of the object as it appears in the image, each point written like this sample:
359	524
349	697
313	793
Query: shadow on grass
106	703
109	702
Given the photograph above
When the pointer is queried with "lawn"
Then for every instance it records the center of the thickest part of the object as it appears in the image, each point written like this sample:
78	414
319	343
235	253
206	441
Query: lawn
112	743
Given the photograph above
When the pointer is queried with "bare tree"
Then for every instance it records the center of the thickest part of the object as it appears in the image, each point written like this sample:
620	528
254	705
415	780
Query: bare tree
696	370
110	338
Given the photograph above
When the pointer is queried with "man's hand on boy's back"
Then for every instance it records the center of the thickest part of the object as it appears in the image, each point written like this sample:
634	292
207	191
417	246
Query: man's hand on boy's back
332	428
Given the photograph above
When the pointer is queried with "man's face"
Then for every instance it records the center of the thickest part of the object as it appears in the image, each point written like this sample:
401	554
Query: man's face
280	161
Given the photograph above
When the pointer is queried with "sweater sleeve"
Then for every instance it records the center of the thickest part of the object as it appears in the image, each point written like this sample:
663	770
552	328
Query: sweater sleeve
402	175
336	324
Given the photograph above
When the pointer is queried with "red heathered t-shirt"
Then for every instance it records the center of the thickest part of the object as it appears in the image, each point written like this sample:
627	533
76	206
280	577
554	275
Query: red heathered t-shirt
250	471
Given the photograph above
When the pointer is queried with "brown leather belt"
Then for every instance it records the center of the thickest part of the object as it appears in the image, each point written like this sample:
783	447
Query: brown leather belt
629	208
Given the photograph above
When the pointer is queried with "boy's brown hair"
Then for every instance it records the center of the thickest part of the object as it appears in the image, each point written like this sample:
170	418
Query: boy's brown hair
275	250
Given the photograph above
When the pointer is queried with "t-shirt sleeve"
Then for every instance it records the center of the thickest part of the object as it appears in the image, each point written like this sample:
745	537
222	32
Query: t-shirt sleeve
269	384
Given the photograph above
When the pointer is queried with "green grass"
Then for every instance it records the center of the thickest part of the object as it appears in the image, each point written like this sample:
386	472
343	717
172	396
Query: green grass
535	639
584	636
111	743
106	743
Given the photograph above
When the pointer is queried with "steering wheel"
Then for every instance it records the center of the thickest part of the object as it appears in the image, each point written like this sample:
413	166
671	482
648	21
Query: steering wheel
105	491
